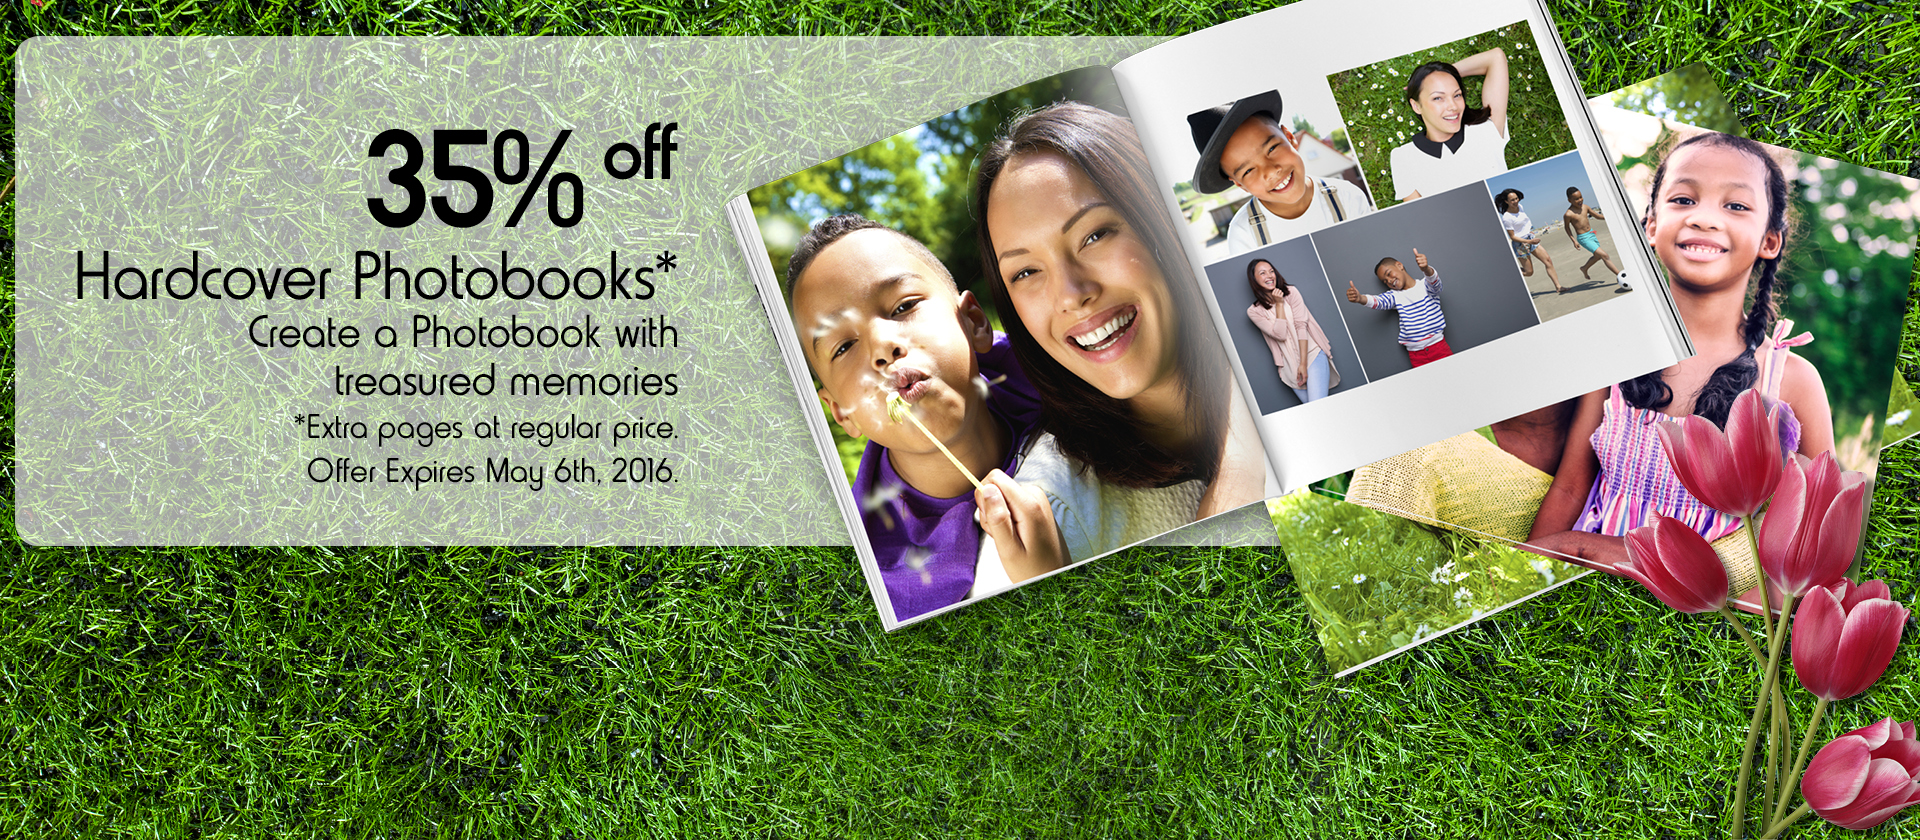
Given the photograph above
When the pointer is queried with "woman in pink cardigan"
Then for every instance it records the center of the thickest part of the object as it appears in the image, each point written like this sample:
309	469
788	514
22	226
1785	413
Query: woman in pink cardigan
1300	349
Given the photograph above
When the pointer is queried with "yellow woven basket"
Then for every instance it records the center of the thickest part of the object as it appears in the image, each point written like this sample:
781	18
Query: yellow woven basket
1466	483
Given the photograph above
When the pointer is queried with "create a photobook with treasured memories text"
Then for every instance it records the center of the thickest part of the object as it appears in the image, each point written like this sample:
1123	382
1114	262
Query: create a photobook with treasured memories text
1750	237
1083	312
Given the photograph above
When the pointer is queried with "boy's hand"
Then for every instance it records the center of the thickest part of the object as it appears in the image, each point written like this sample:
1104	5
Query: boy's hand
1021	523
1353	294
1420	259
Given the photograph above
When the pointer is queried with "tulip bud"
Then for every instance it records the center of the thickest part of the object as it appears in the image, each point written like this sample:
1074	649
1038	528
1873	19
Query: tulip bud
1844	637
1733	471
1677	565
1812	529
1864	777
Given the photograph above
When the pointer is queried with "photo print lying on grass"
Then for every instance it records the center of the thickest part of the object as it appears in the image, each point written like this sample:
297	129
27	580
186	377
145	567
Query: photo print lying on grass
1842	278
1469	570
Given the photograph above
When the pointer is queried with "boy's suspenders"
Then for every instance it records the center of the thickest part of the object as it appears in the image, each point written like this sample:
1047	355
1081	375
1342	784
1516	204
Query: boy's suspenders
1258	219
1333	201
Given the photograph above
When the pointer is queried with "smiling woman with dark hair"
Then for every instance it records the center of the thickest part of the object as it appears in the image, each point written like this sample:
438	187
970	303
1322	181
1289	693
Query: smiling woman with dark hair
1300	348
1103	312
1456	145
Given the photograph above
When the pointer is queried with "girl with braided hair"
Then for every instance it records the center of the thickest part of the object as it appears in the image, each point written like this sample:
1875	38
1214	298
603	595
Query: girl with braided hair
1718	221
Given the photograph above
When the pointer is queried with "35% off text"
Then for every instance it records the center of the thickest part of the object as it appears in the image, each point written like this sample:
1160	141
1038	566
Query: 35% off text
512	158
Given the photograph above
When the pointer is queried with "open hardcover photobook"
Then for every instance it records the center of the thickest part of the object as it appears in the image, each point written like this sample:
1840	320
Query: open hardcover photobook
1377	584
1083	312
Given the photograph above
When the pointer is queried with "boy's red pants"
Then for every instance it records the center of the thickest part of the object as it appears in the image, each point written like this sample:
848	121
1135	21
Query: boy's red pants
1434	352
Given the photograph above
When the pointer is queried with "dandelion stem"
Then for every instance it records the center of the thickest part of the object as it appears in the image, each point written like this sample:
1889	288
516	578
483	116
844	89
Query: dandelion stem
897	407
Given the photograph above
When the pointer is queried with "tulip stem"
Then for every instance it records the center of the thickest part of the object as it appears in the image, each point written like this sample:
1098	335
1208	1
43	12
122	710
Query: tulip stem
1766	598
1787	823
1759	655
1775	755
1782	715
1769	773
1769	676
1800	762
1772	676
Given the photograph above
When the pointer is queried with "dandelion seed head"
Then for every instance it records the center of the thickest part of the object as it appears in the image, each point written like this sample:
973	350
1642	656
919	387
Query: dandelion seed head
917	560
828	320
880	495
878	499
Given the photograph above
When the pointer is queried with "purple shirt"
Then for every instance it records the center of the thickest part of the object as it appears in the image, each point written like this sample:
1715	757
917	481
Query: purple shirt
927	546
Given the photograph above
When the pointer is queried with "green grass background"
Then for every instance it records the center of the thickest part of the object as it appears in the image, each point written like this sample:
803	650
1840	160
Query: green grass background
748	692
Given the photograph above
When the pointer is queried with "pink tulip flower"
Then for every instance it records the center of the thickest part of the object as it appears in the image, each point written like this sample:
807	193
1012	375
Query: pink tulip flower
1733	471
1677	565
1812	529
1865	776
1844	636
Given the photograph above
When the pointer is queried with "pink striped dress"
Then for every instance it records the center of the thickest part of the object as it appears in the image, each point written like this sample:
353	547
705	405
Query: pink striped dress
1635	480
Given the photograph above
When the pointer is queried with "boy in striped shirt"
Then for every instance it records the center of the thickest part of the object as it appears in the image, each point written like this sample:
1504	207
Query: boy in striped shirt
1422	325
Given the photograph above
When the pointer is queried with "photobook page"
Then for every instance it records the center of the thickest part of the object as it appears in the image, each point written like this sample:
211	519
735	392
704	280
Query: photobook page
1338	196
995	321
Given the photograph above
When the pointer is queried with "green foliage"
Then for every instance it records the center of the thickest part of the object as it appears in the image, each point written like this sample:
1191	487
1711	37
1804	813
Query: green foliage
1845	291
1340	142
1900	420
881	181
1375	583
1373	101
1688	95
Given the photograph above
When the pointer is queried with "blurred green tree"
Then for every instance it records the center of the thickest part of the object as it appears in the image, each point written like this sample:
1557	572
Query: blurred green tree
881	181
1688	95
1846	274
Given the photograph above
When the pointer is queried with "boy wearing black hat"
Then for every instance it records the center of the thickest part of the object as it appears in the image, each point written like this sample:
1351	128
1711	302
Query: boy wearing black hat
1243	144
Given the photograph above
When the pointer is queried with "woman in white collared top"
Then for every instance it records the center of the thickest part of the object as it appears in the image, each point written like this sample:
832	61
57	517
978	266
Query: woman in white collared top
1458	145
